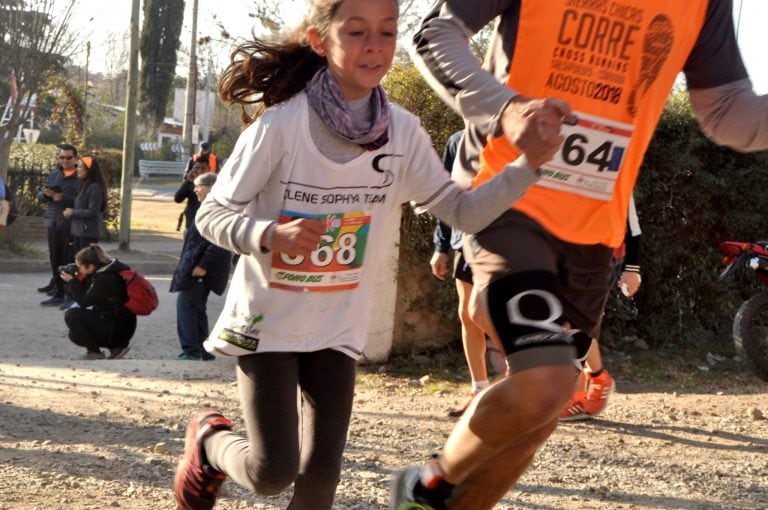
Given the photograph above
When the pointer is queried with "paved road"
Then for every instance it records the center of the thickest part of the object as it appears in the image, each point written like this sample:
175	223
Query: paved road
33	332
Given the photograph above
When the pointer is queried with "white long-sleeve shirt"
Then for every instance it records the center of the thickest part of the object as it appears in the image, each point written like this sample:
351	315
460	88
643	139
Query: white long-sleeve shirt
276	173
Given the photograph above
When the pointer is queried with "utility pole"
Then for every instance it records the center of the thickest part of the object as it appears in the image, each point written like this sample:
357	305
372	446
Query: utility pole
189	112
85	95
208	103
129	135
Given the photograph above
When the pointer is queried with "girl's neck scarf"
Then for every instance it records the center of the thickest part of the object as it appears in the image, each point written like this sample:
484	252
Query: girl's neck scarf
326	99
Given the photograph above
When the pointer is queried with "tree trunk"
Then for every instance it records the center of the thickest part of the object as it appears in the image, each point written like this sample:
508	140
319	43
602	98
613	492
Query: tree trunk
5	152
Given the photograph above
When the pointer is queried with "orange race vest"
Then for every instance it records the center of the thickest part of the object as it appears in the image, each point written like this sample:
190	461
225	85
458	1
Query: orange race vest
615	63
212	161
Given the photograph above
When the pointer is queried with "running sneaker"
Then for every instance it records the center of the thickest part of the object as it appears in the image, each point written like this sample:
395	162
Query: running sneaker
599	389
401	496
196	483
585	405
575	408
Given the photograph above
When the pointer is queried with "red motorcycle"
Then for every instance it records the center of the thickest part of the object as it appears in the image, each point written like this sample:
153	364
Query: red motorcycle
750	326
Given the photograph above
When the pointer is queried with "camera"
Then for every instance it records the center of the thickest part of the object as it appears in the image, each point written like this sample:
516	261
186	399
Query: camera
70	269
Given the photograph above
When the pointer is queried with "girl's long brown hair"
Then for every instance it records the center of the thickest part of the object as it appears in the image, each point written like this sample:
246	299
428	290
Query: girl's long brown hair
266	72
266	75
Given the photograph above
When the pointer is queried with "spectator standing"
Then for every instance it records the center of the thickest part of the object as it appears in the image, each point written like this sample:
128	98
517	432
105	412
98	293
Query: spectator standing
11	214
50	287
203	268
87	215
58	193
2	193
186	193
204	153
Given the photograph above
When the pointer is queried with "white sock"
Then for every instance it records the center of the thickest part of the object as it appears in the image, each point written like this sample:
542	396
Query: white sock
478	386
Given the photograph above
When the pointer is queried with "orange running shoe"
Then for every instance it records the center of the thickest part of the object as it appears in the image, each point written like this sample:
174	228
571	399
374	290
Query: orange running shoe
599	389
587	405
575	408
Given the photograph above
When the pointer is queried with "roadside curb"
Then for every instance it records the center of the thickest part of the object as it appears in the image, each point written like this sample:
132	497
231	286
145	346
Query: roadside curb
147	262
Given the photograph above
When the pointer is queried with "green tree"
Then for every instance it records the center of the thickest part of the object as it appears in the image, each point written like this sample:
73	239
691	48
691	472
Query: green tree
691	195
35	43
423	303
159	43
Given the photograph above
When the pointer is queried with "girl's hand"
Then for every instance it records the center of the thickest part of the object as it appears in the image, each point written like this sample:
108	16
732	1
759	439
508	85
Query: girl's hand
199	272
533	125
66	276
67	212
298	237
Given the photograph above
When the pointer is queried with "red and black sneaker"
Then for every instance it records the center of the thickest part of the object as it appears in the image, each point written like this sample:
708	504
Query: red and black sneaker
196	483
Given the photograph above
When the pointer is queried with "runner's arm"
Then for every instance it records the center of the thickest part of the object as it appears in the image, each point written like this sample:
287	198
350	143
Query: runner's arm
473	210
721	93
733	115
441	52
222	217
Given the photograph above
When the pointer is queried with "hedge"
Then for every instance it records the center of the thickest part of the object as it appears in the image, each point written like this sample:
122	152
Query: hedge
691	195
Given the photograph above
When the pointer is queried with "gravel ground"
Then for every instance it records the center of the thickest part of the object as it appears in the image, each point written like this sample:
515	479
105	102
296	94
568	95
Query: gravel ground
107	434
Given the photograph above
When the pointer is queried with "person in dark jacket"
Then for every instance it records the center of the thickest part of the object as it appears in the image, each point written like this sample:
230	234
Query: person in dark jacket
90	203
187	192
204	153
203	268
101	320
58	193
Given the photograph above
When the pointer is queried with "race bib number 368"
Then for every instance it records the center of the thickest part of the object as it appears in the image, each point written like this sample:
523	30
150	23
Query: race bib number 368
336	263
590	158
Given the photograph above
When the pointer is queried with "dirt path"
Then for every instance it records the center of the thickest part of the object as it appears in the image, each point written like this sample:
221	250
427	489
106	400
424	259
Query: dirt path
93	435
107	434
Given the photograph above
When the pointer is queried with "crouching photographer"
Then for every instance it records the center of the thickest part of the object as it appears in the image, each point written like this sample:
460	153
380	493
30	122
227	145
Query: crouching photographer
101	320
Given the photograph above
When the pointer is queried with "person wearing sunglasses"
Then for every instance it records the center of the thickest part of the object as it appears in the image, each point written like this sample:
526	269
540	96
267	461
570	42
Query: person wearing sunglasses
58	193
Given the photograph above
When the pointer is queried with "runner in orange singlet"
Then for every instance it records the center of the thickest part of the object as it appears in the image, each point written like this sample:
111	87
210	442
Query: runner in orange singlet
543	268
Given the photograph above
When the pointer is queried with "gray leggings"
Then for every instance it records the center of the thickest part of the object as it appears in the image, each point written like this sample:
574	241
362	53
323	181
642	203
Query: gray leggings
293	436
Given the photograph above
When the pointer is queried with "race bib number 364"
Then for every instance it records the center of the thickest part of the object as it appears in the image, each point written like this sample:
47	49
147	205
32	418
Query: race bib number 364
590	159
336	263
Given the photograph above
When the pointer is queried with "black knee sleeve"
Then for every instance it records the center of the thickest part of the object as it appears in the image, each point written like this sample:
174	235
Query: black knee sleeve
527	313
582	342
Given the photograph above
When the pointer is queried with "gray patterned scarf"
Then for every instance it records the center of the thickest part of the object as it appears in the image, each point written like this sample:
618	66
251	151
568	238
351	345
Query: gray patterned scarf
326	99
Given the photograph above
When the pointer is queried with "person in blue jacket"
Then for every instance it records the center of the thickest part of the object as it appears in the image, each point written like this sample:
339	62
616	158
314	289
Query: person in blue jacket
203	267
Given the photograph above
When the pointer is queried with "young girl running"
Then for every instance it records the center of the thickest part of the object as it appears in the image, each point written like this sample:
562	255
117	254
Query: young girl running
304	198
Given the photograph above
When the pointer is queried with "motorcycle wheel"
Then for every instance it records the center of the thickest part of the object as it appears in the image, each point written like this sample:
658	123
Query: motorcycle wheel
750	334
